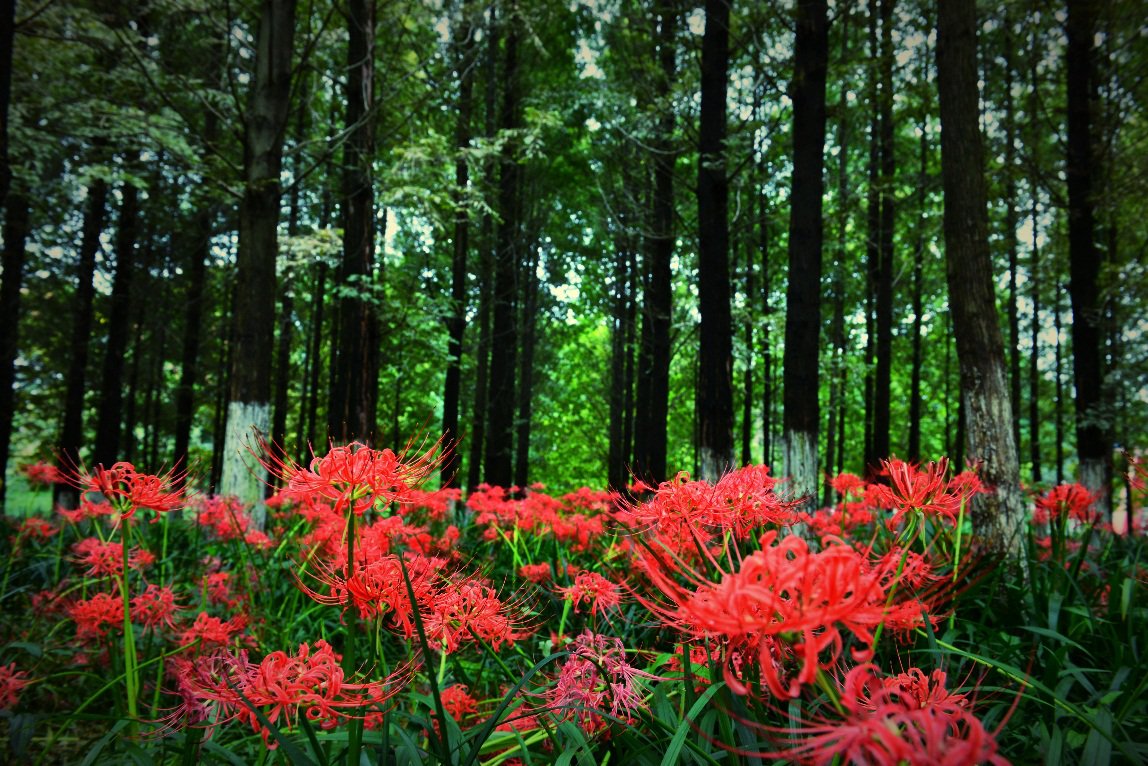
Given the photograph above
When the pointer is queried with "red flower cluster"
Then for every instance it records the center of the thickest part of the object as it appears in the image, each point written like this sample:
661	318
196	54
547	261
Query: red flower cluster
223	687
1066	500
910	719
594	589
12	683
154	608
128	490
41	474
106	559
927	490
596	679
785	597
357	477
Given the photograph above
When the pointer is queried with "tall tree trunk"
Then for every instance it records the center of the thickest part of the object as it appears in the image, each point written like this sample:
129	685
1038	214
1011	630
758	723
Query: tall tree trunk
7	43
715	336
769	382
504	337
200	252
16	230
918	307
657	299
1058	362
249	399
882	384
1010	224
72	433
456	324
872	241
1092	443
980	349
1034	356
747	330
355	398
616	454
110	410
803	296
529	335
487	258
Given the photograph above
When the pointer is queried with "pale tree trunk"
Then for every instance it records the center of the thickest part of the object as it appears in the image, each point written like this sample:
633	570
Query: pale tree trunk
987	416
249	400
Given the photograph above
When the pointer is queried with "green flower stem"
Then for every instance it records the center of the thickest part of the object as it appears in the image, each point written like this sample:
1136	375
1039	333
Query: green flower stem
826	685
131	671
892	595
355	734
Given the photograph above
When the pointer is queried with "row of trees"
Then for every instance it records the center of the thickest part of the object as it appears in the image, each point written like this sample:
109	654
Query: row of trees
559	229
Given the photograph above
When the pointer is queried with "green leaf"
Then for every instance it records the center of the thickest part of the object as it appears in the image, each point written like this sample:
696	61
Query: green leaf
679	739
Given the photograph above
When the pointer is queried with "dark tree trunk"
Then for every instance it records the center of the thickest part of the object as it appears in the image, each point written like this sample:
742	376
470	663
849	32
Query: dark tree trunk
767	371
882	384
72	433
16	230
980	349
189	357
7	40
1010	224
487	258
1092	442
616	456
1034	356
1059	363
529	335
314	356
223	376
747	374
918	307
355	397
249	399
456	323
715	336
110	410
504	340
803	296
657	306
872	243
283	376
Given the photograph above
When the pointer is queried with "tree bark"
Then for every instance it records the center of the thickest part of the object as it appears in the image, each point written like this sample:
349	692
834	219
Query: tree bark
249	398
7	43
504	336
803	296
1034	356
355	397
200	252
1092	442
882	385
715	336
72	433
16	230
1000	516
110	410
456	323
529	335
657	299
918	305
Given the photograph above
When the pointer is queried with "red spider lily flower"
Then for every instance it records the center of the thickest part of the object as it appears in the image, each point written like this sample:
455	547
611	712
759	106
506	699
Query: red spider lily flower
1071	500
12	683
591	587
535	573
926	490
212	632
740	501
95	615
87	510
457	701
893	722
154	608
217	586
128	490
785	597
282	687
35	528
42	474
461	611
595	680
846	484
106	559
357	476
